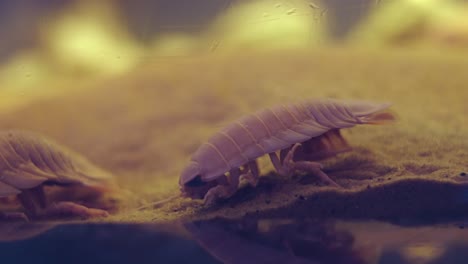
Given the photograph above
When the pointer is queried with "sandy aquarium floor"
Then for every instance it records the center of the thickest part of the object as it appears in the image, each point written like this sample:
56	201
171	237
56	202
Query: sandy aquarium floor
143	127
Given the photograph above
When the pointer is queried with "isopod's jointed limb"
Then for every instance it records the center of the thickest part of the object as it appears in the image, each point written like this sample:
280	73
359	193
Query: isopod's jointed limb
253	173
35	203
302	133
287	166
226	190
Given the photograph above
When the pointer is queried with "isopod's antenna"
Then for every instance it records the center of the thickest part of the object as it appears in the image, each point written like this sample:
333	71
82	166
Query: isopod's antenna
158	204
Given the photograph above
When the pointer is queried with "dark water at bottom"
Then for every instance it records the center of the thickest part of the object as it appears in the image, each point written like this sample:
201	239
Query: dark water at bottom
228	241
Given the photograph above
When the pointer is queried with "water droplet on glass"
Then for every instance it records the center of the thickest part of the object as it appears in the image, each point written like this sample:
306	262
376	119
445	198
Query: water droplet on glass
214	45
313	6
278	5
323	12
291	11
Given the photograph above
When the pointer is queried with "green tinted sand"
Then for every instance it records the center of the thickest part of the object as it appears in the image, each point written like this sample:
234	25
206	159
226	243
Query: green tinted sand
144	126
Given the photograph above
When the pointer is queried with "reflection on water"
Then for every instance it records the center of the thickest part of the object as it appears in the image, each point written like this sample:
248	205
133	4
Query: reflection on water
229	241
281	241
22	231
103	243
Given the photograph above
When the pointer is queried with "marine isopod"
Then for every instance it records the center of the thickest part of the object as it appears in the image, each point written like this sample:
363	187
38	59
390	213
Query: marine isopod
300	133
30	163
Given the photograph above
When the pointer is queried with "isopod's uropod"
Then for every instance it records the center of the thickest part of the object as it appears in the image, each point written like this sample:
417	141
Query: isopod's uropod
34	168
301	133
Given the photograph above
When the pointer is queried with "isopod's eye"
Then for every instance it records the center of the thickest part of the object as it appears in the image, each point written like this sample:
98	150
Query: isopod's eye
196	182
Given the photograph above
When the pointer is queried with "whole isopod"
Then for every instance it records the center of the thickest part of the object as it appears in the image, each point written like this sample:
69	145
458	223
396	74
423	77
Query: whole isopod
31	164
302	133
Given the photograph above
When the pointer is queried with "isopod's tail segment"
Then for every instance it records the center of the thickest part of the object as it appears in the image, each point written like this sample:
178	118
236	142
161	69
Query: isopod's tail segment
372	113
381	118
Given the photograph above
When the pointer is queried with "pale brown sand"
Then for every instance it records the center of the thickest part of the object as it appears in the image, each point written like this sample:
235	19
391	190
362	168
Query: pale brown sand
144	126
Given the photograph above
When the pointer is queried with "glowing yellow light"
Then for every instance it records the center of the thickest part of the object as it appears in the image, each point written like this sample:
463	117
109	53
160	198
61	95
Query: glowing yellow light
89	38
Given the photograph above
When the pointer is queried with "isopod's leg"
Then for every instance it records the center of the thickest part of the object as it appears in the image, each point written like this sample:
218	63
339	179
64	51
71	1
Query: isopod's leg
283	164
29	200
288	162
309	166
283	154
277	164
253	174
73	209
33	200
245	173
39	194
224	191
35	204
316	169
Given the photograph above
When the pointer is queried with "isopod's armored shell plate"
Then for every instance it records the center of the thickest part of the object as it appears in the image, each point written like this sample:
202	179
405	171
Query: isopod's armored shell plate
28	160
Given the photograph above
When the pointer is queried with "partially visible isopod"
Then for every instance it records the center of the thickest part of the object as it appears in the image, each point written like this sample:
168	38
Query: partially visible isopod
32	168
301	134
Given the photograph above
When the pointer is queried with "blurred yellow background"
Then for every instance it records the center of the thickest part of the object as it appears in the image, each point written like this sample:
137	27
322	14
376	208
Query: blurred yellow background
51	47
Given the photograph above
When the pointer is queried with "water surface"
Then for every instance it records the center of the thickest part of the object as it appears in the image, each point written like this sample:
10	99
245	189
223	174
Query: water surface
235	241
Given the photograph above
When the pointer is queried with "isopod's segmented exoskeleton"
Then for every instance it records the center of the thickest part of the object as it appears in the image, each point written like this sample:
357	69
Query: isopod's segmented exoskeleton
315	125
28	162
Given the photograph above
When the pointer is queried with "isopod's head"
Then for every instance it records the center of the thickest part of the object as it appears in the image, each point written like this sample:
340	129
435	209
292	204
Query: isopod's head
191	182
366	112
